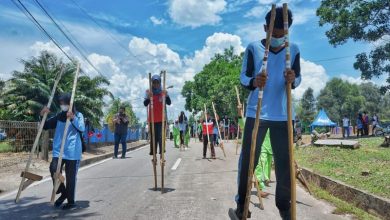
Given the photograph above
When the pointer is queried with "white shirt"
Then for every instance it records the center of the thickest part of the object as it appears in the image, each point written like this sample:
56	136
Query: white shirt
345	122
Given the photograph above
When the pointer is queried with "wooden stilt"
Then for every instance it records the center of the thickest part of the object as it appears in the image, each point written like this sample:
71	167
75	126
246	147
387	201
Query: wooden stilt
289	117
163	134
58	176
219	131
152	134
25	174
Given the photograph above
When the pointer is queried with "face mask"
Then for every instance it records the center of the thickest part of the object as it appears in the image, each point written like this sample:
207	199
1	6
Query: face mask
64	108
277	42
156	91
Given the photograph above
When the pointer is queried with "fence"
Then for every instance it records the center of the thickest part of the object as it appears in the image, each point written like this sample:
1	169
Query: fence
19	136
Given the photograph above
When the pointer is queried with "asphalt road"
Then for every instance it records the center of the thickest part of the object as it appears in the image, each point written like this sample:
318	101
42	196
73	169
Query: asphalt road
123	189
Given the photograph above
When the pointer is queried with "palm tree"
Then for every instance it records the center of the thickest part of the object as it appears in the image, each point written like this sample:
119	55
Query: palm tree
28	91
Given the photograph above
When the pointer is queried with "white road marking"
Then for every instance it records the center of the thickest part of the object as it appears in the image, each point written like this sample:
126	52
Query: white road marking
176	164
47	178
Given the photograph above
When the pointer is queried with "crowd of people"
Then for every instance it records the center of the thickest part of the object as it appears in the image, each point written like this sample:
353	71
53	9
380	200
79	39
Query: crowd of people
363	122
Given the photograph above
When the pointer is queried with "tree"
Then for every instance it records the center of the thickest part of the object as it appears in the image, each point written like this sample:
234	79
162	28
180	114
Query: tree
372	97
340	98
28	91
307	106
114	108
216	83
367	21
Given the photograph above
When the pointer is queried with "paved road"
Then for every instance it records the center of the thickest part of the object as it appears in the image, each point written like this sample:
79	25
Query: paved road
122	189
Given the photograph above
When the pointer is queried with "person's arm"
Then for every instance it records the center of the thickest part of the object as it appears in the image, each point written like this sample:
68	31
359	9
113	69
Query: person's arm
78	122
50	123
297	69
147	98
247	70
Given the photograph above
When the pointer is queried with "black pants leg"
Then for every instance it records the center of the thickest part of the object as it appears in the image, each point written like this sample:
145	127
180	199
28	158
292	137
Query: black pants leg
53	169
157	137
71	168
279	142
205	143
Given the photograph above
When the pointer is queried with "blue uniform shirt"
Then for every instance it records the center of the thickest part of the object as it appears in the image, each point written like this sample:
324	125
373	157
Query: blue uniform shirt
274	103
73	146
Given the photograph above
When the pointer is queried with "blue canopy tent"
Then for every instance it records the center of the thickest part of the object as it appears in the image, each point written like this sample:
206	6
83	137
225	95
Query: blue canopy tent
322	120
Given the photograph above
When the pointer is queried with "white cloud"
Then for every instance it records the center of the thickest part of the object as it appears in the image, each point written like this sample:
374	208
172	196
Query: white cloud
257	12
195	13
303	15
313	75
50	47
157	21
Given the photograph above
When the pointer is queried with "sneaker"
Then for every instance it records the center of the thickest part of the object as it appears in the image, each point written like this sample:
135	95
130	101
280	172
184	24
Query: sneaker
286	215
123	157
204	157
59	201
69	206
114	157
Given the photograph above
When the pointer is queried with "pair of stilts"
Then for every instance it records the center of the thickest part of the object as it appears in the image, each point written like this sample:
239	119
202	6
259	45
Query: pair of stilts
219	131
27	177
163	132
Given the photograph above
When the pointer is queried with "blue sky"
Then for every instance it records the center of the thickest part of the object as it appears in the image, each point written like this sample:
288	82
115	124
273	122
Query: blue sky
178	35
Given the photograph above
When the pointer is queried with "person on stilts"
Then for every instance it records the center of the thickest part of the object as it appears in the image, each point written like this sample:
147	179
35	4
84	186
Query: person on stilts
273	115
208	125
72	149
157	94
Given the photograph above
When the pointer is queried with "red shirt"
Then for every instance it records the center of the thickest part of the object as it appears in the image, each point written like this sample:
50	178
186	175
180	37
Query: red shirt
208	125
157	108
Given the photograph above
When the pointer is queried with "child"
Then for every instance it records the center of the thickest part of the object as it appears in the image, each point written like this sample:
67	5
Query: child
215	133
157	94
273	113
208	131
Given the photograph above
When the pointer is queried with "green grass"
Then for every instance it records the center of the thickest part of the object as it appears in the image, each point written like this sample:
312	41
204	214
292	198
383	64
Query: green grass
342	207
347	165
5	147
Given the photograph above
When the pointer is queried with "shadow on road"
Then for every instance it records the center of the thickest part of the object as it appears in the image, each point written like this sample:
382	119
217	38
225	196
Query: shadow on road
27	209
166	190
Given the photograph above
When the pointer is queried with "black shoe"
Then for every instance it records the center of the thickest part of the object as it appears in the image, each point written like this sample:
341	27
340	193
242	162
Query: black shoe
286	215
240	211
123	157
59	201
69	206
114	157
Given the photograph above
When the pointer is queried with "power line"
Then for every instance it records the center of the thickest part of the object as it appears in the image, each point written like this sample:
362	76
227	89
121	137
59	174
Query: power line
333	58
127	50
68	38
26	12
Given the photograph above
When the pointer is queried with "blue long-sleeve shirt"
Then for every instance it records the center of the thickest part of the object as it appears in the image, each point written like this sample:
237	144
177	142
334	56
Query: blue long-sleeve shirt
274	102
73	146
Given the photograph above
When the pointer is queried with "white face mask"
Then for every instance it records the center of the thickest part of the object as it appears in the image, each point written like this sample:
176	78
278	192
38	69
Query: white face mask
277	42
64	108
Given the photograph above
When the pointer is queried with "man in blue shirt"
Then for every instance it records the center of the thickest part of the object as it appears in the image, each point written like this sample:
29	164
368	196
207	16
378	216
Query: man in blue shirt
72	149
274	110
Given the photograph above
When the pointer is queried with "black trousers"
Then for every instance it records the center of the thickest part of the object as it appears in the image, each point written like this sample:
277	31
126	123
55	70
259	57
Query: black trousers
71	168
182	137
205	143
279	142
157	137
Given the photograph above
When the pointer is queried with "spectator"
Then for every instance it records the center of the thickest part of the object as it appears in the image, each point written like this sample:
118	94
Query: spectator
345	126
359	125
366	122
121	122
375	122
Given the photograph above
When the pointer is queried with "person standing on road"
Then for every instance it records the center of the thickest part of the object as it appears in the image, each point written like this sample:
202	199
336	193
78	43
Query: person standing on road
207	125
345	126
274	110
182	128
121	123
157	93
171	131
72	149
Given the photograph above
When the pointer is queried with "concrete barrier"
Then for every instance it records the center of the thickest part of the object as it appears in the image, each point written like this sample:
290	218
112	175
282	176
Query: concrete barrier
373	204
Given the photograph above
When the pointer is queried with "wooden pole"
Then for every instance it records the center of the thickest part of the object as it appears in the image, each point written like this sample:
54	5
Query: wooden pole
163	133
207	128
289	116
152	134
242	116
58	176
257	121
40	129
219	131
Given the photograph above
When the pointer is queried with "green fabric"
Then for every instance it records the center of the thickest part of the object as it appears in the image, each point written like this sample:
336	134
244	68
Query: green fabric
187	137
176	136
263	168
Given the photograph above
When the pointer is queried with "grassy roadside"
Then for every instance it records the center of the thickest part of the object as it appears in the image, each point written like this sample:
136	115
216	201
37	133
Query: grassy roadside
366	168
342	207
5	147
